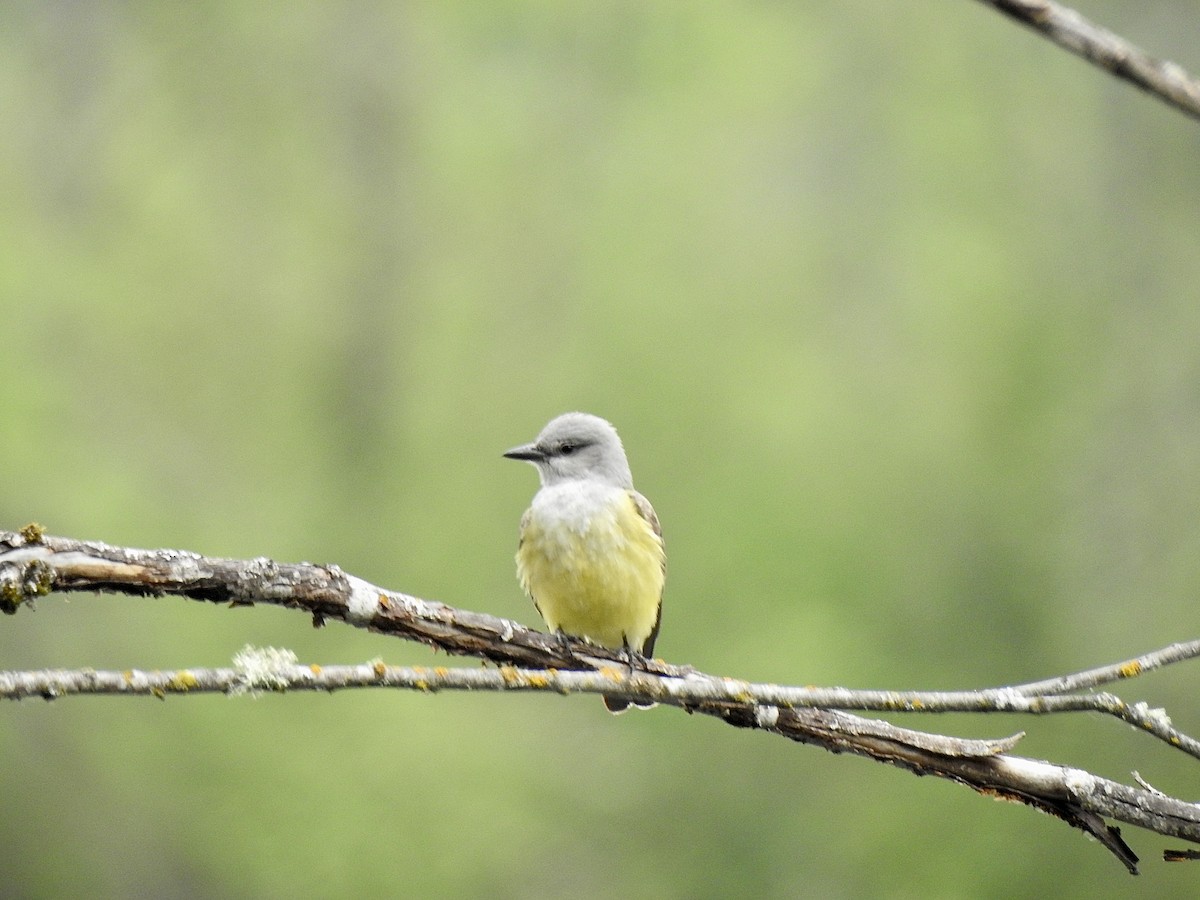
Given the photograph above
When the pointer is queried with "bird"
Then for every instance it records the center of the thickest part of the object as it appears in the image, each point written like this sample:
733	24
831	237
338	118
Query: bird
591	553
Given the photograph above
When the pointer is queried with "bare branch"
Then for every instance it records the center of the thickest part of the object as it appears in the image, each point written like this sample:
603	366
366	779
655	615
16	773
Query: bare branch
1130	668
1067	28
328	593
32	564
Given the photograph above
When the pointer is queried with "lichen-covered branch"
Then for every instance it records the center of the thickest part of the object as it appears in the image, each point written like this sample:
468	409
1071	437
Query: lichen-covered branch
33	564
1111	52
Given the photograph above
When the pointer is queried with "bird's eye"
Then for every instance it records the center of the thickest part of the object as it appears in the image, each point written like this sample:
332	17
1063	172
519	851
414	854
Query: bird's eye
567	449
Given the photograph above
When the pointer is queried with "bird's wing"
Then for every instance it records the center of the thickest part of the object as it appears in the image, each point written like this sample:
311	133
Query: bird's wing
520	543
646	511
524	524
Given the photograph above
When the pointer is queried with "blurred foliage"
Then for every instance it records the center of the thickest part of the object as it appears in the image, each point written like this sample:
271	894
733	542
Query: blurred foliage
896	310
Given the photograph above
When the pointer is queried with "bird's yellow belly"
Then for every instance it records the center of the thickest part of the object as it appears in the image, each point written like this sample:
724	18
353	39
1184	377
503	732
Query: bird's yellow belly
602	582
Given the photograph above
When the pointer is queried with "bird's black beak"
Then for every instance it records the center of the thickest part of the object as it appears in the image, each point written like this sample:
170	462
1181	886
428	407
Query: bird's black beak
527	452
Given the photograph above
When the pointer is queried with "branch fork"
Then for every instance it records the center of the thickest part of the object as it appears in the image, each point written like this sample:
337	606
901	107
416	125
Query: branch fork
33	564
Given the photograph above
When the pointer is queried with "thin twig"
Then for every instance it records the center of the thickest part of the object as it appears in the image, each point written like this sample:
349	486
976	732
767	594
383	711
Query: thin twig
1130	668
1071	794
1111	52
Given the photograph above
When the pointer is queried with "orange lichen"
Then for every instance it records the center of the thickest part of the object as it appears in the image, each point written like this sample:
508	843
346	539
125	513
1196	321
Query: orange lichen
183	681
1131	669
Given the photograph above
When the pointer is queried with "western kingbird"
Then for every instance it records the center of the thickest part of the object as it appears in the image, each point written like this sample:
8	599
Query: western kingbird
591	553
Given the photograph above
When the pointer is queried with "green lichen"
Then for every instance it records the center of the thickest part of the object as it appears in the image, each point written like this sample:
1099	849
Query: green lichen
11	596
33	533
21	584
38	578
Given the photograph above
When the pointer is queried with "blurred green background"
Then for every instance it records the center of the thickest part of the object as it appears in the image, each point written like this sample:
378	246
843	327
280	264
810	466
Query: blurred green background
894	305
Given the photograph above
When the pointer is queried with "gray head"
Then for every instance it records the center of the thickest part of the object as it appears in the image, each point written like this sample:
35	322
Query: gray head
576	446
